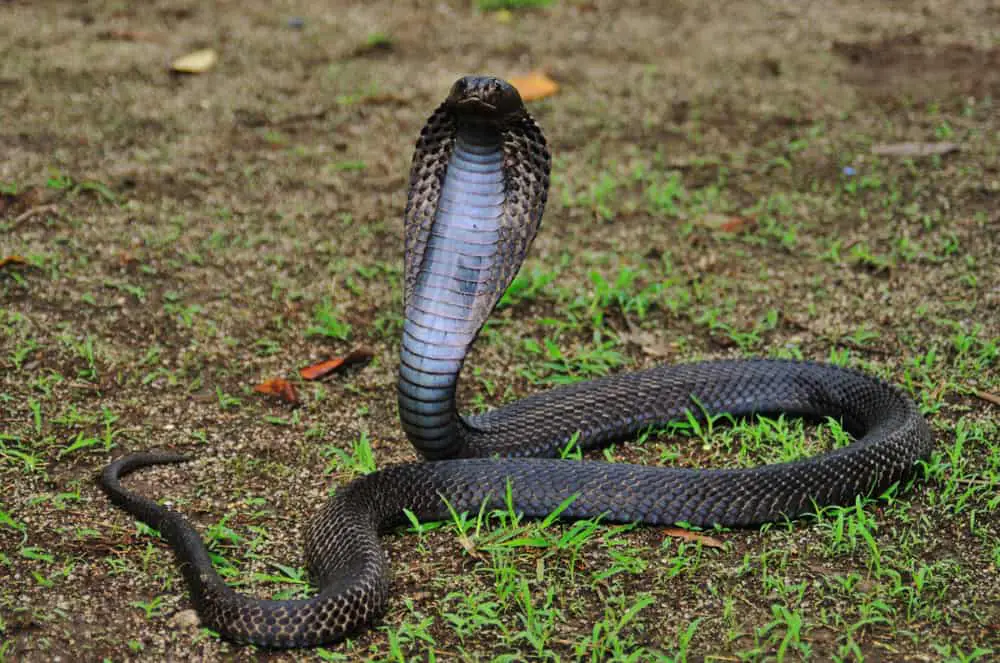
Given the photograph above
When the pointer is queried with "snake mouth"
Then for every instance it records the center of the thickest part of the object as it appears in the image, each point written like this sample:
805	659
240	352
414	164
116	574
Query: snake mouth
474	103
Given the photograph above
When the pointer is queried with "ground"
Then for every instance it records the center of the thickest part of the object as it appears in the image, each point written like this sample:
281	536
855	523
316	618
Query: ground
174	240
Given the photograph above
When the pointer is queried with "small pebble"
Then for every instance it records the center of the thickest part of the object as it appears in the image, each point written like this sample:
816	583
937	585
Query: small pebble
185	619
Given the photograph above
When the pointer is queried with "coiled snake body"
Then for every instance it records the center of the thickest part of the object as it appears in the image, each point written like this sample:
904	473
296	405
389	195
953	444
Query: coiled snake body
477	190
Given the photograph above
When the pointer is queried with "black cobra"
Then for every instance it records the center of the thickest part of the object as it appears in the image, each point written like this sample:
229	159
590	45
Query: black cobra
477	190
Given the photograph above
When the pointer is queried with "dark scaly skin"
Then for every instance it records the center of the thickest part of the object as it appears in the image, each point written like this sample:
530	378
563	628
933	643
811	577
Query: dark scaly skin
480	146
482	152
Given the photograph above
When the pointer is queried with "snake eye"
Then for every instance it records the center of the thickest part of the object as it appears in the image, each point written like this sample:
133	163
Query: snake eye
459	88
506	97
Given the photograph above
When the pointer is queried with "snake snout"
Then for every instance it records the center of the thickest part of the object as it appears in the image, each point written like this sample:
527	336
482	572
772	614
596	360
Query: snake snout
484	96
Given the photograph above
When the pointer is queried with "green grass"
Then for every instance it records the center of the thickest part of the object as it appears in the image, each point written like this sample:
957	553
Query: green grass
493	5
328	323
702	207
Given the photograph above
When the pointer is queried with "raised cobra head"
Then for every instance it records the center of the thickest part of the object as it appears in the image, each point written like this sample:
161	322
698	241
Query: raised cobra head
478	187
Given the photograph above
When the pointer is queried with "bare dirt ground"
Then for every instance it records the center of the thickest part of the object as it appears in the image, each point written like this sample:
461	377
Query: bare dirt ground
181	237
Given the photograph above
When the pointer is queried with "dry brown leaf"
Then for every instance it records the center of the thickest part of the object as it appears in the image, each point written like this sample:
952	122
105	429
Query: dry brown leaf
734	224
12	260
195	62
535	85
688	535
324	368
279	387
725	222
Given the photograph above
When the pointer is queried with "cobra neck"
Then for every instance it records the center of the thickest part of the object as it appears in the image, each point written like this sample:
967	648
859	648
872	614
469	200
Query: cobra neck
442	317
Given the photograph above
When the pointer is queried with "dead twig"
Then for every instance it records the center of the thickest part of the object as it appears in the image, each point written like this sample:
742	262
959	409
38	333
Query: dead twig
35	211
987	396
974	482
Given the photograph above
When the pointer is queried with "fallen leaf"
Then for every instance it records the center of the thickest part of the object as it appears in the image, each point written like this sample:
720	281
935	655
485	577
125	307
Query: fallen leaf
734	224
535	85
12	260
324	368
279	387
688	535
196	62
725	222
913	149
503	16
